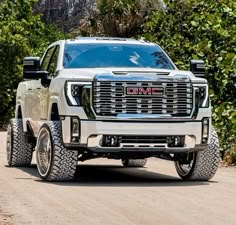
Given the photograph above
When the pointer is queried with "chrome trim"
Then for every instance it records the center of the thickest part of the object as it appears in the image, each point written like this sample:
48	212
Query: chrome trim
144	78
123	72
143	117
44	150
143	145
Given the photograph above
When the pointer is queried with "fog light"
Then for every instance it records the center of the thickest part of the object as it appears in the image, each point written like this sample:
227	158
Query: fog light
175	141
205	130
75	130
111	141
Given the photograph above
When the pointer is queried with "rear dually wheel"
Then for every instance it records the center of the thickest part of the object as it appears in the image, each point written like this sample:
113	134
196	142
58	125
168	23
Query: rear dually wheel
19	150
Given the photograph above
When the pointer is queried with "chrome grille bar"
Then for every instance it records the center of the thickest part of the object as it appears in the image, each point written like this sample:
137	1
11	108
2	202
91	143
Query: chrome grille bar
110	98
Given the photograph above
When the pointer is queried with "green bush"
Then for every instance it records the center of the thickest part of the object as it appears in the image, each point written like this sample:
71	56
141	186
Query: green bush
21	33
186	29
192	29
118	18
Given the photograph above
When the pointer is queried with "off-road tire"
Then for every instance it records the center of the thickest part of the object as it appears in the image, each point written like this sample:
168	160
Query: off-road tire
19	150
63	162
134	162
205	163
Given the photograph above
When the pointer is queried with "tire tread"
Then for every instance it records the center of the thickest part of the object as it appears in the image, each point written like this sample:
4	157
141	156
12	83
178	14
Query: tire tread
64	162
22	150
206	161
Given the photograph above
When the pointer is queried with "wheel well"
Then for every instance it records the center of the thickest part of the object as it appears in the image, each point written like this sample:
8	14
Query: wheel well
30	131
30	134
19	113
55	113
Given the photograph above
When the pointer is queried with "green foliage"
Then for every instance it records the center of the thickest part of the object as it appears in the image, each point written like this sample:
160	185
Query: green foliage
186	29
118	18
192	29
21	33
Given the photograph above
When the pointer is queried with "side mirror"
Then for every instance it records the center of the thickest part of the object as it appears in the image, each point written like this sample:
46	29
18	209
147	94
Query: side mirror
31	68
197	67
32	71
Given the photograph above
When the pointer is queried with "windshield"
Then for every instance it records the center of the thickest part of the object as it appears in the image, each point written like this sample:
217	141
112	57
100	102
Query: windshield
115	55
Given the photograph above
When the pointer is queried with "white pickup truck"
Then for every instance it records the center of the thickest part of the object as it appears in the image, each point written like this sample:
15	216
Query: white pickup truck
114	98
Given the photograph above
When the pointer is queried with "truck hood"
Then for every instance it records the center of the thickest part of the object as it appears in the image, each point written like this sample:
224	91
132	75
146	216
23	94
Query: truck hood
126	73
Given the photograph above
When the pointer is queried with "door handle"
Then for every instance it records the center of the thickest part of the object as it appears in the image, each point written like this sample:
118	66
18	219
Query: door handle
30	89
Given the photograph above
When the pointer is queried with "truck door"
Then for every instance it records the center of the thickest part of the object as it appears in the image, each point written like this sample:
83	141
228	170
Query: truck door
44	95
38	95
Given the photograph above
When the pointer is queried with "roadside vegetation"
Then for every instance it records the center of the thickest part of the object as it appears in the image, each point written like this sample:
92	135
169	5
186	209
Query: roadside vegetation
186	29
204	30
21	33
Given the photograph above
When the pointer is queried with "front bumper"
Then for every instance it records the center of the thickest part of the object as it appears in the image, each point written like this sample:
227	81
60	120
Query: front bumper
92	132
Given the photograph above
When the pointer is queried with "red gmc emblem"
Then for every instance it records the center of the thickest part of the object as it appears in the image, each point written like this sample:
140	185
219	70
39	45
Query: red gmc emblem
144	91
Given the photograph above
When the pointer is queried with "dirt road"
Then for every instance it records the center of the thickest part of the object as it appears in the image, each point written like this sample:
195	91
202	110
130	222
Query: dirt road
105	193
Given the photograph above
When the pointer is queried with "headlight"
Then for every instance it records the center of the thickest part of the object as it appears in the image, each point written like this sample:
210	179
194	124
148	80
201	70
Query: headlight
203	97
73	92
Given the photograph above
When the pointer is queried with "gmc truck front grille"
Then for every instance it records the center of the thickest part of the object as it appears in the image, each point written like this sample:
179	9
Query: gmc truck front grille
111	98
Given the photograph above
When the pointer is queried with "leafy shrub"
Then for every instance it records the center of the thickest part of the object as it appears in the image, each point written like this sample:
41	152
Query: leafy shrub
191	29
118	18
21	33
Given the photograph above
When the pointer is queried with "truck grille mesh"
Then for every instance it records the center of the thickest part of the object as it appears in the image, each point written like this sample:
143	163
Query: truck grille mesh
110	98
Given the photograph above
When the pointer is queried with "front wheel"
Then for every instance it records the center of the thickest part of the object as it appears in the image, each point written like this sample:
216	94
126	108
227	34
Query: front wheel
54	161
201	165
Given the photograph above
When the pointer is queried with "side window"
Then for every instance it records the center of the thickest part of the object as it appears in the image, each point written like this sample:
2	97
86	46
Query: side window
46	60
53	62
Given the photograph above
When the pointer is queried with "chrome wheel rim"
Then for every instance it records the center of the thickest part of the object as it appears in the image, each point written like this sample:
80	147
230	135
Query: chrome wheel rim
185	168
9	143
44	152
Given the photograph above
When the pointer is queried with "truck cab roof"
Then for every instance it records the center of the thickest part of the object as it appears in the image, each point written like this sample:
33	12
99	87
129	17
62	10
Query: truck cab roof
114	40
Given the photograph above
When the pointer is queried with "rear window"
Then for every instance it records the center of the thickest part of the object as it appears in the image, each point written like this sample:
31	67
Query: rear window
115	55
